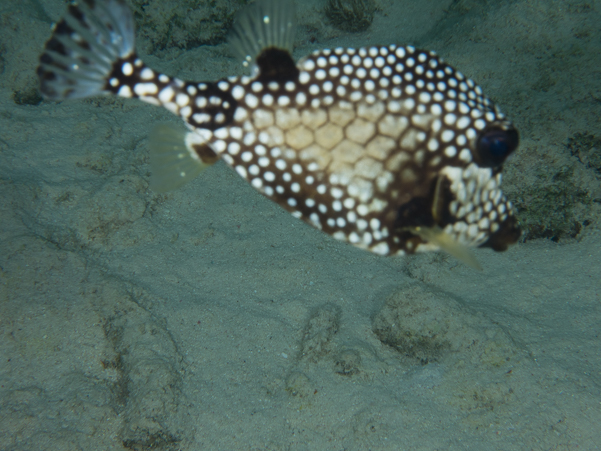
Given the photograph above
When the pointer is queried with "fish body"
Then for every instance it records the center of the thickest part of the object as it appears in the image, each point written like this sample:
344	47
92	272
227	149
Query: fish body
385	147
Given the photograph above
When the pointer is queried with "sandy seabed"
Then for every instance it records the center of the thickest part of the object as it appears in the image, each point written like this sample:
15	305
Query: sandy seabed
210	319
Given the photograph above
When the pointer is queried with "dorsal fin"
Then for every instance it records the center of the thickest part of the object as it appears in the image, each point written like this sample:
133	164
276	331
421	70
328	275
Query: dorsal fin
262	25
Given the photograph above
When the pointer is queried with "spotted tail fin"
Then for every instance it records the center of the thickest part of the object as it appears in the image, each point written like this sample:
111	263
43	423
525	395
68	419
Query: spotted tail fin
79	58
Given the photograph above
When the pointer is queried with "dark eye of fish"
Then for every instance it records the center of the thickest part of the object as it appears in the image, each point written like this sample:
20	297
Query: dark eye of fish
388	148
495	145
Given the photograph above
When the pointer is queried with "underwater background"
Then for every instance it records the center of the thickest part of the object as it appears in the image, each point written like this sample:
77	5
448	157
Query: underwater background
210	318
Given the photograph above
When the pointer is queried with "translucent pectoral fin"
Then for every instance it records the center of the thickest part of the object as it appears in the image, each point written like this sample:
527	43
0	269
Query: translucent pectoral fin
437	236
173	163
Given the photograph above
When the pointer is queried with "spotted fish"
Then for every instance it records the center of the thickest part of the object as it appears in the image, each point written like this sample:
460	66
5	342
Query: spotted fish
385	147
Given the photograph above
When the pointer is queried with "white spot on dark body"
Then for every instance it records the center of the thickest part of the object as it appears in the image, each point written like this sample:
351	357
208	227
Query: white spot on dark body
357	134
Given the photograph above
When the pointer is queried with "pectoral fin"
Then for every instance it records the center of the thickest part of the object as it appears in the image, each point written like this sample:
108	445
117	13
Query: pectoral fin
437	236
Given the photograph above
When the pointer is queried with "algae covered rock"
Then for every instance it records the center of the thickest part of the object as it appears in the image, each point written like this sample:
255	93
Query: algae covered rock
351	15
427	325
183	24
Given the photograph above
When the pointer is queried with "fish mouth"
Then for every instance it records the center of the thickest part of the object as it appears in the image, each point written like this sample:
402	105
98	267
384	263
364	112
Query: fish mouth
481	218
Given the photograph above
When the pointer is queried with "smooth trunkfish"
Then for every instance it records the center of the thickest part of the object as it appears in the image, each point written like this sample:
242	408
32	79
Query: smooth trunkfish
388	148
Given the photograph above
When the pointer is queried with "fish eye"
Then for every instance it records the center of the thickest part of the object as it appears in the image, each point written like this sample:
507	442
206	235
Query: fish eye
495	145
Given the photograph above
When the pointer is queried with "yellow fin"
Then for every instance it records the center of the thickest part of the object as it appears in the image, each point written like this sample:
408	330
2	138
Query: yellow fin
437	236
172	163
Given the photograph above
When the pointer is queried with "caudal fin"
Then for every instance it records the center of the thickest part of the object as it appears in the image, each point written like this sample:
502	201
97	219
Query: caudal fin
85	45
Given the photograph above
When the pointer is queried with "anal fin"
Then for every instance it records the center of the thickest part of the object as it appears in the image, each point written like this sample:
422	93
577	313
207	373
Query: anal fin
175	157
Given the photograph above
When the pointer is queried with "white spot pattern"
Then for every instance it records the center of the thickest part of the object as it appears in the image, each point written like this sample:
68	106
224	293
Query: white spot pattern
357	135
